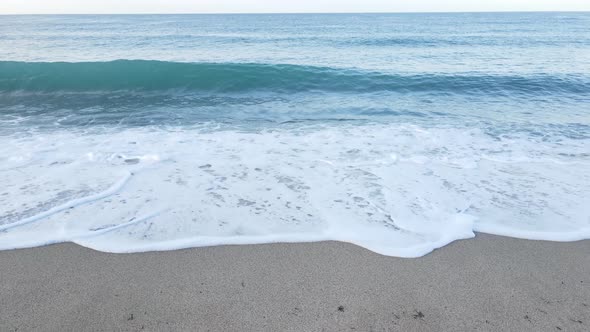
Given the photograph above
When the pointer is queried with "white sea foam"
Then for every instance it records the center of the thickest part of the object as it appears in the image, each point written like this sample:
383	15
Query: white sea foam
399	190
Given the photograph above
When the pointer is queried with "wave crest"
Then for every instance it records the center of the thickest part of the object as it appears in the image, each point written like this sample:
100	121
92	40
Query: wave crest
147	75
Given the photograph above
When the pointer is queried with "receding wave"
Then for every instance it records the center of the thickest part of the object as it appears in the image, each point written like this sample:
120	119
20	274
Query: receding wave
145	75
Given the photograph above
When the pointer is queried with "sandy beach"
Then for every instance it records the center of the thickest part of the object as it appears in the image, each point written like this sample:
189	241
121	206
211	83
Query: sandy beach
226	165
488	283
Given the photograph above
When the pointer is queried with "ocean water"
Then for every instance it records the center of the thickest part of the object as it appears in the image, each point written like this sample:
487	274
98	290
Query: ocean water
397	132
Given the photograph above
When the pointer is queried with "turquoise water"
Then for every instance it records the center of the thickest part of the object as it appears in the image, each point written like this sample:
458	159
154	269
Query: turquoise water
398	132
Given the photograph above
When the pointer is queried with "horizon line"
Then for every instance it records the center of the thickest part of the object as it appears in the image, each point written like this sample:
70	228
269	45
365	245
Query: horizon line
304	13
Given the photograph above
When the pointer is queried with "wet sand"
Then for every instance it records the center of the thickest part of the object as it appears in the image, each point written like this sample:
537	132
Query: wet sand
488	283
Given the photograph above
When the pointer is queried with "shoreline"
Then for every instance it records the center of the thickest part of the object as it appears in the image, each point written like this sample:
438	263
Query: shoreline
486	283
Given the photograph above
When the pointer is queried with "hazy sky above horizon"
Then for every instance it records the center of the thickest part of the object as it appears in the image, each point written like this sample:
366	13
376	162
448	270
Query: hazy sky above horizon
266	6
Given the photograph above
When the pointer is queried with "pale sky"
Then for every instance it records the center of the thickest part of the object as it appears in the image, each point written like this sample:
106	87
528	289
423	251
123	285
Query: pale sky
284	6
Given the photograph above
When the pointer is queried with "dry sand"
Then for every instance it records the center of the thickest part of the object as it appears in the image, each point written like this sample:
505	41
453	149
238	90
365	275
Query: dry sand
489	283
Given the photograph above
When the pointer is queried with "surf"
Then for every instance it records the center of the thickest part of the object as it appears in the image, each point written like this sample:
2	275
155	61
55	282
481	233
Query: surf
400	190
150	75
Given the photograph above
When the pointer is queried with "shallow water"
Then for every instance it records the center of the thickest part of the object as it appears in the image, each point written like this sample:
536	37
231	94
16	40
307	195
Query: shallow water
400	132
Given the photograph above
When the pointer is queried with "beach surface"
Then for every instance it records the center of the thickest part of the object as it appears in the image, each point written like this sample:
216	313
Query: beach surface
489	283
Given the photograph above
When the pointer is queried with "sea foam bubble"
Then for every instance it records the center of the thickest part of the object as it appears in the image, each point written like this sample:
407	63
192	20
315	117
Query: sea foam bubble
397	189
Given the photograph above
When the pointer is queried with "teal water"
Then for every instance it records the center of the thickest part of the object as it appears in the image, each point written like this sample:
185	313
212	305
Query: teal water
398	132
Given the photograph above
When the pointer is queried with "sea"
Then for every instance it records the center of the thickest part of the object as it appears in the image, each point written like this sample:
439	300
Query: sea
400	133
